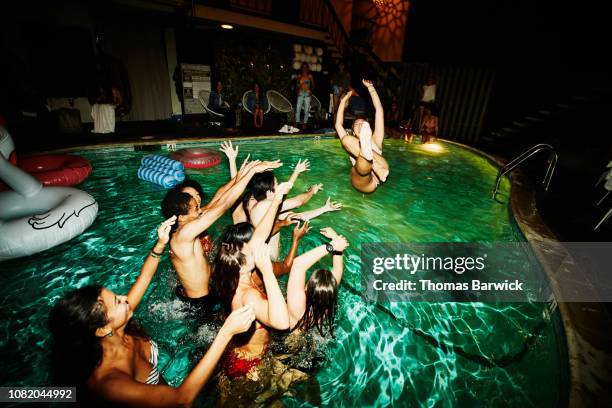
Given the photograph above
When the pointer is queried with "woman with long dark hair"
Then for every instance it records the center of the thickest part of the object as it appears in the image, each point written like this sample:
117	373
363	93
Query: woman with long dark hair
101	350
242	249
312	303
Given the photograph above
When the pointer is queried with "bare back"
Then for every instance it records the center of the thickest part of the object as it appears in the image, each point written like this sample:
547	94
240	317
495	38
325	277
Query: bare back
191	265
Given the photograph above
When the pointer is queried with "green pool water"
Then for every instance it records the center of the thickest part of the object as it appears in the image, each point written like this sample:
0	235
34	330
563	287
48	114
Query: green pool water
400	354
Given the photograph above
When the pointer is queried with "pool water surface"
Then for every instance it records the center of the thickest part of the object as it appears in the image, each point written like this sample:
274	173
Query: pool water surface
400	354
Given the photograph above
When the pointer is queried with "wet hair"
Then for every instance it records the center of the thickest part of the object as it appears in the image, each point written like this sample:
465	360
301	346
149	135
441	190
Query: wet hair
193	184
257	188
260	184
321	303
76	349
175	203
229	259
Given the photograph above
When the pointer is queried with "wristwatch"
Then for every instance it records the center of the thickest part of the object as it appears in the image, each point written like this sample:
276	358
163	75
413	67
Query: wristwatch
330	248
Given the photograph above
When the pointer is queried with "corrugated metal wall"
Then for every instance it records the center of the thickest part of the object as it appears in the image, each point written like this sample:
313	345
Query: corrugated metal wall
462	96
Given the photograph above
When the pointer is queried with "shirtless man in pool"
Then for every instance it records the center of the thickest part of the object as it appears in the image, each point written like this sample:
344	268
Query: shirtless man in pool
192	267
365	148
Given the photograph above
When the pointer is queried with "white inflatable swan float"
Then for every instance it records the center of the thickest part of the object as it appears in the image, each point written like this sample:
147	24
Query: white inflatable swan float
34	218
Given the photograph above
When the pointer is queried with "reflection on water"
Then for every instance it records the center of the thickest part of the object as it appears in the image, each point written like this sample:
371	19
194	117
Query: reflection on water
402	354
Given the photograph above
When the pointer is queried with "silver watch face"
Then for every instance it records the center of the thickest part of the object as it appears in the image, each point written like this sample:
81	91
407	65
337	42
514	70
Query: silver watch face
329	247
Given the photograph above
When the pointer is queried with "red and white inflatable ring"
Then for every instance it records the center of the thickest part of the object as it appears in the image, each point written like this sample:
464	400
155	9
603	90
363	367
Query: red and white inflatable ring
196	158
57	170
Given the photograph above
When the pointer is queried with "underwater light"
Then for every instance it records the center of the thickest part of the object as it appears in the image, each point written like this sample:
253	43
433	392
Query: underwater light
227	26
433	147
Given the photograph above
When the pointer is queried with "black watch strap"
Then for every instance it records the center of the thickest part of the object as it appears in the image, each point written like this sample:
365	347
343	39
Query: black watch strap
331	250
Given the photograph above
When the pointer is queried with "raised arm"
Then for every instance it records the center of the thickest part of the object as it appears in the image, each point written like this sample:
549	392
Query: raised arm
296	285
281	268
151	263
339	125
121	388
300	167
223	189
301	199
273	311
210	215
340	244
309	215
379	116
264	227
231	153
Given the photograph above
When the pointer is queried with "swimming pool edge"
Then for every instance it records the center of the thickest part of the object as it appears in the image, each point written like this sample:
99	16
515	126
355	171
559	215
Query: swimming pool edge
581	324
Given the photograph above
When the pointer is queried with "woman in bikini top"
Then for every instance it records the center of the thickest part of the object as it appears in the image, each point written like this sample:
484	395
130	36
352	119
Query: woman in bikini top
100	349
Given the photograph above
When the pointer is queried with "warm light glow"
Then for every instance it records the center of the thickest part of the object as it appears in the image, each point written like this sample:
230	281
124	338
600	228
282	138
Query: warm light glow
380	4
433	147
227	26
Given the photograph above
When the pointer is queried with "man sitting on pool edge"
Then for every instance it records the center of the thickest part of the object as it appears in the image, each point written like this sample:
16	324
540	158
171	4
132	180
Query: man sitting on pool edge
365	148
192	267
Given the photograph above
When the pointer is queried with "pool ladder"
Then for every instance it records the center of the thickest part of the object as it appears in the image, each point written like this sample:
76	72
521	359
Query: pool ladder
552	163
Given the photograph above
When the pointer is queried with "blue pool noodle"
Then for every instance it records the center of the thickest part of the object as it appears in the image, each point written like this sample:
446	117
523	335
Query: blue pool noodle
179	175
163	179
157	160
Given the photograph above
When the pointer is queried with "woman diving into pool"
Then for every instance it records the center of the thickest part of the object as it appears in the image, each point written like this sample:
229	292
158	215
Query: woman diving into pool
365	148
98	347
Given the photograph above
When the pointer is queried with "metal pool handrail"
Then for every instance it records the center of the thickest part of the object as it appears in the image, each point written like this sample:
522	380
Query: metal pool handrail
552	163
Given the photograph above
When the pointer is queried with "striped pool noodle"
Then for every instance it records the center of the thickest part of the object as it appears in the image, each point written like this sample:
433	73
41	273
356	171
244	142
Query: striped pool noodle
162	179
164	161
179	175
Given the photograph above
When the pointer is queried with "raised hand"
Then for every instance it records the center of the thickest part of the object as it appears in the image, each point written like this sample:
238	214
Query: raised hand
339	243
300	231
328	232
302	166
239	321
163	231
245	162
367	83
332	205
282	189
316	188
347	95
267	165
248	167
228	149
